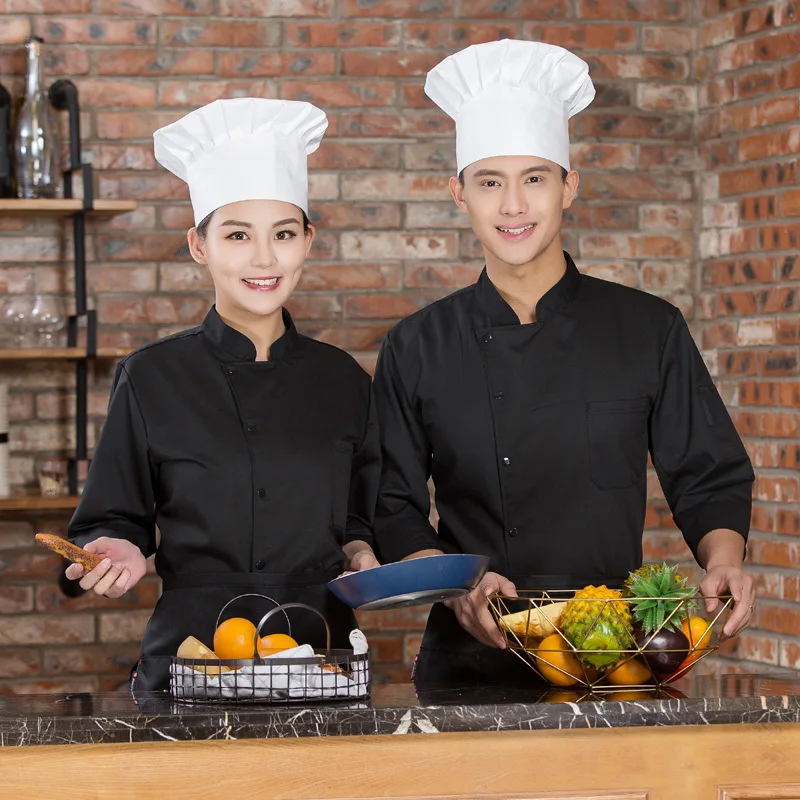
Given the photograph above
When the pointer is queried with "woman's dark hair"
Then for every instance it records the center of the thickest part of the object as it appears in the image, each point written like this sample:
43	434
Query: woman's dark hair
202	227
564	174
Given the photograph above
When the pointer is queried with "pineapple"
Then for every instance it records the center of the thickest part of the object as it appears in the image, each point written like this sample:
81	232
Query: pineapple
645	571
589	624
660	597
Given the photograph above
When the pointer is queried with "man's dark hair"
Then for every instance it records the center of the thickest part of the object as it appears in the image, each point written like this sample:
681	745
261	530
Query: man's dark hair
564	174
202	228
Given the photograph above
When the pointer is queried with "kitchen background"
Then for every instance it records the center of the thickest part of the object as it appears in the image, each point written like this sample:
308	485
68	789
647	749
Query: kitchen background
690	189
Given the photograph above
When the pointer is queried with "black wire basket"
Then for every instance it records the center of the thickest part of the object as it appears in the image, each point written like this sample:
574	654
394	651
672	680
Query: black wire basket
302	676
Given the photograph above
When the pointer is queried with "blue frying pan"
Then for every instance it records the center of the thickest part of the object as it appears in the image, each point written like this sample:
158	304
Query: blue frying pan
411	583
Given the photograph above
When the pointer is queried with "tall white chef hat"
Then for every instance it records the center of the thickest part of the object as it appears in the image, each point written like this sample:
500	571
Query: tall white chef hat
511	98
247	148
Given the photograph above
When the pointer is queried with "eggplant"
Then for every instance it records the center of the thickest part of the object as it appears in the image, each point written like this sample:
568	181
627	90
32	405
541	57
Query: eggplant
664	651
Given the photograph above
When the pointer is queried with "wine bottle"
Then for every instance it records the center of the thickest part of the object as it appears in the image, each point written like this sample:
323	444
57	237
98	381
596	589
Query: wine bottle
37	150
5	143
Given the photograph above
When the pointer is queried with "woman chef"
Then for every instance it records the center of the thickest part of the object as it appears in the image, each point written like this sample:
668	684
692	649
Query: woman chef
252	448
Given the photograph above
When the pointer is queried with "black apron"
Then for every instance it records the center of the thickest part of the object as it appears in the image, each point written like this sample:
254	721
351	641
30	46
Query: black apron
190	605
449	656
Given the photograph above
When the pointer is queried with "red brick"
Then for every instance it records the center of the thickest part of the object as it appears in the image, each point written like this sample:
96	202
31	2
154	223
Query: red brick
401	619
14	30
50	687
778	363
788	520
18	663
388	245
716	31
16	599
457	35
154	8
638	66
789	331
338	155
322	277
50	599
95	30
383	64
90	659
342	34
581	37
790	76
667	217
781	619
779	424
251	65
669	40
625	272
780	553
124	125
151	62
220	33
752	209
667	156
365	337
264	9
195	93
763	518
29	564
32	629
768	145
314	306
755	84
735	55
334	94
401	9
676	97
777	46
740	362
719	335
153	247
753	179
385	306
649	187
639	10
592	155
777	490
101	93
123	626
634	126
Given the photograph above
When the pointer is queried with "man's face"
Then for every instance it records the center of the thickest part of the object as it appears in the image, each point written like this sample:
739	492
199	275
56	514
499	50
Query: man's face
515	205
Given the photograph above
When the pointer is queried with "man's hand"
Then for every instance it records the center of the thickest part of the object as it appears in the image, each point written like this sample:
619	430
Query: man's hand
472	610
122	567
359	556
725	579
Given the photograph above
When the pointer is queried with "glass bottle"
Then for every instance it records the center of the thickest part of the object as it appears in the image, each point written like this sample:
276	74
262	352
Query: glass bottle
5	143
37	150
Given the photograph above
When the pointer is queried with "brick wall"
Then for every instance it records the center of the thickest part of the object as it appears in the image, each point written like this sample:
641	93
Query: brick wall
390	240
747	281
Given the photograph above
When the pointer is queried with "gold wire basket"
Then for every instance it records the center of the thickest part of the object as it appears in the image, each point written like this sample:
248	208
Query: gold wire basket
534	633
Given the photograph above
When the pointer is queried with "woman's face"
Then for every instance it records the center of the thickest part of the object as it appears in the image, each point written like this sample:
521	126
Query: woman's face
255	251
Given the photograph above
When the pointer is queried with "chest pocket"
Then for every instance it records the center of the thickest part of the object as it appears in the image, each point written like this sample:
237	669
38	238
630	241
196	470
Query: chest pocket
340	483
617	442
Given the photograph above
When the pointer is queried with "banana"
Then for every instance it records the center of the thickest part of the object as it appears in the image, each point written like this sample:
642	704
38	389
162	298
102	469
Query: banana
534	622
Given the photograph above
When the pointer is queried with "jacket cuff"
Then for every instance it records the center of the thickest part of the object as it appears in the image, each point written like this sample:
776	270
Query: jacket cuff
733	514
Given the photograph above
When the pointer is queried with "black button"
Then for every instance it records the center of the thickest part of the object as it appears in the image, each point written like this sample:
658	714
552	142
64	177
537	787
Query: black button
487	337
251	428
230	371
260	564
507	461
513	532
262	493
498	396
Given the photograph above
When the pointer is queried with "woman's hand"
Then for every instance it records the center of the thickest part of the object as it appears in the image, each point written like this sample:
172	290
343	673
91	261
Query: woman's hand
122	567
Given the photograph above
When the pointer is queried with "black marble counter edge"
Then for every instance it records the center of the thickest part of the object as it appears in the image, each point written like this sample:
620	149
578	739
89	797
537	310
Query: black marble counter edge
218	723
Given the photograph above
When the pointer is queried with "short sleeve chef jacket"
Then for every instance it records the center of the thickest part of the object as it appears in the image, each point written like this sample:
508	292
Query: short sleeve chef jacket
244	465
537	435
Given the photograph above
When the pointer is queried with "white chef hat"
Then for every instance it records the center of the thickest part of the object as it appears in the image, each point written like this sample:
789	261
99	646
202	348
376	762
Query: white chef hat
248	148
511	98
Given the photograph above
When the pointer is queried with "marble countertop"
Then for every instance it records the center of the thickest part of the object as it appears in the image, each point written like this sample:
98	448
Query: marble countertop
699	699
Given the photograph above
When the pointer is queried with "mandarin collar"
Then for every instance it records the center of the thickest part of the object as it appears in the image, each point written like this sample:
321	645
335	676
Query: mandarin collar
231	344
495	312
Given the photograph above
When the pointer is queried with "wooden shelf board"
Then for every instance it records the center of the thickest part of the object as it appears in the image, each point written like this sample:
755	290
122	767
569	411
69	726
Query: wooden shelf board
56	353
35	502
60	208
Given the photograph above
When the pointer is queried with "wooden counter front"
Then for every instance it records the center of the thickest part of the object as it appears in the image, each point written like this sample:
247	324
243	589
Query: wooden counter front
716	762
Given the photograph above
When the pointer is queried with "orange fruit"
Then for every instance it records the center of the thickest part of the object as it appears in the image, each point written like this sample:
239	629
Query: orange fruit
275	643
632	673
556	661
698	631
235	639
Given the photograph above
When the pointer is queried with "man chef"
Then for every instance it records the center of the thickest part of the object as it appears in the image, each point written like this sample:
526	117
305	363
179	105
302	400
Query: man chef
533	397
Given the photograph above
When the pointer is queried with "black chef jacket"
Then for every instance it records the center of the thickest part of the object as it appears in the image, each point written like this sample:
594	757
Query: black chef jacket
255	472
537	435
